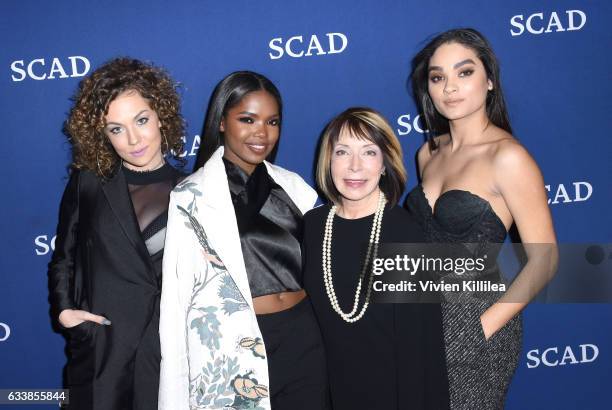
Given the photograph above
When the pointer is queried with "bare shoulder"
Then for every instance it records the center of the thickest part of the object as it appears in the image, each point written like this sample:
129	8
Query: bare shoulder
509	153
425	153
512	165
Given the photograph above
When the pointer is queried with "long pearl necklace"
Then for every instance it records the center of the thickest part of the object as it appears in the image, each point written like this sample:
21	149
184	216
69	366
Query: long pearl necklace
352	316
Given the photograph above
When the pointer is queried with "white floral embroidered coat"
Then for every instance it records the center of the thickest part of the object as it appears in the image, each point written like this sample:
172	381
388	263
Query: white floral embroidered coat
213	356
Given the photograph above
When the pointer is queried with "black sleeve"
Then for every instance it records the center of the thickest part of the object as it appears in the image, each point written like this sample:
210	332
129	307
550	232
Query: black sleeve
404	227
414	230
303	250
61	267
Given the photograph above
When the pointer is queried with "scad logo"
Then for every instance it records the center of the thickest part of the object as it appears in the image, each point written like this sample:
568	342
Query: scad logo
5	332
578	192
542	23
406	123
299	46
561	356
43	244
40	69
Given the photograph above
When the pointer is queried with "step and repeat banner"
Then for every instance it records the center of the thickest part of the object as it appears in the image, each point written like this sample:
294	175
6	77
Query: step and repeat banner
324	56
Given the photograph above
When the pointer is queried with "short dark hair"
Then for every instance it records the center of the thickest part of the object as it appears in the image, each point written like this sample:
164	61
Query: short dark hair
495	103
227	94
364	123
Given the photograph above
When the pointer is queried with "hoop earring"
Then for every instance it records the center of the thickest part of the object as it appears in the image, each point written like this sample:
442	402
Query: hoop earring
100	168
165	140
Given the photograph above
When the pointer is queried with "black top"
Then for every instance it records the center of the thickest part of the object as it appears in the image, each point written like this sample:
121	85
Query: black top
393	357
150	195
459	216
469	222
270	227
101	264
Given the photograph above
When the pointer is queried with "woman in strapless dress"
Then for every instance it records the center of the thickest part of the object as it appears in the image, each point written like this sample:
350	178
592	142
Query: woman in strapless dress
477	181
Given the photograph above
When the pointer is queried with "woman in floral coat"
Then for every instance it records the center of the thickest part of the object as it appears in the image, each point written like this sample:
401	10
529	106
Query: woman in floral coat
237	330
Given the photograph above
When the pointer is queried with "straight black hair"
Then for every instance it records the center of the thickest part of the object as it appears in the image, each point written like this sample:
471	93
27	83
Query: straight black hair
495	103
227	94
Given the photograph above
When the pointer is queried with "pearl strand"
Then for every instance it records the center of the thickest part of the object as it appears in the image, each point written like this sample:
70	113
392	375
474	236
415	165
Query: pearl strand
350	317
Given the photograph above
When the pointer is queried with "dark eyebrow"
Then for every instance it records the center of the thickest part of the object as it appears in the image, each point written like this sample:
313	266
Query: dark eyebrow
459	64
365	146
140	113
464	62
252	114
136	116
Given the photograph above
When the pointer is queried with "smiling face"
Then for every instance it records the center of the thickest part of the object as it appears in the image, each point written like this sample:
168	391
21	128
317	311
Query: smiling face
251	129
458	82
356	168
133	130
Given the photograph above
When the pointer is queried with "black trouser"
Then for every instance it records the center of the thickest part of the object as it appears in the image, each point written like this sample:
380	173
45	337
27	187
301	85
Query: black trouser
296	359
146	366
138	378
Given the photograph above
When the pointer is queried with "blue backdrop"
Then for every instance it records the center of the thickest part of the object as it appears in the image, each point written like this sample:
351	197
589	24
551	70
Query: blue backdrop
324	56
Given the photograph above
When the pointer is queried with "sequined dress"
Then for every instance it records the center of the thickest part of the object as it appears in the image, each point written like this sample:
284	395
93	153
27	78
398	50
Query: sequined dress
479	370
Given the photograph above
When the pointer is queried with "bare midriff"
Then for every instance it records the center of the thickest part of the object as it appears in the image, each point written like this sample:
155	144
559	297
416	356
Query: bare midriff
277	302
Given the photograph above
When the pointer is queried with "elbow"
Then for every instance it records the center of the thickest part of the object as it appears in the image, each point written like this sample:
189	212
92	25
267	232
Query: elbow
553	260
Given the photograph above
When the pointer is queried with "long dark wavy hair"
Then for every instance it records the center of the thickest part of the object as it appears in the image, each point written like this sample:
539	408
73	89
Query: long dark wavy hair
91	148
227	94
495	103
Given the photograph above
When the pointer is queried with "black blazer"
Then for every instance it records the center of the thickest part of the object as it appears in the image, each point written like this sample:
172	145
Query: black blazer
101	264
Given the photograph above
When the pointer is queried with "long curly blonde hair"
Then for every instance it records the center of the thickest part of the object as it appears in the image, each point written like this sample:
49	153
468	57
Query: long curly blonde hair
91	148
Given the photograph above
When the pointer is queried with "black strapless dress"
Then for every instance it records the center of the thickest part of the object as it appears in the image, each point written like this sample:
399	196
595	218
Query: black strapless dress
479	370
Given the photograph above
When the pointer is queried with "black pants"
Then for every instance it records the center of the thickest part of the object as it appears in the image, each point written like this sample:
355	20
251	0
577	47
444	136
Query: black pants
146	366
296	359
134	386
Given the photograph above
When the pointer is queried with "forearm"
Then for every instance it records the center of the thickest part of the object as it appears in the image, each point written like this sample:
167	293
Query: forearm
538	271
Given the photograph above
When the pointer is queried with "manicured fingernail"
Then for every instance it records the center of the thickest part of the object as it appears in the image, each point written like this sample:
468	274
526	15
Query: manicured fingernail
106	322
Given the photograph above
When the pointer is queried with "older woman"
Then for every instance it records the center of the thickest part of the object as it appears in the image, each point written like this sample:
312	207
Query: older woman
380	356
105	274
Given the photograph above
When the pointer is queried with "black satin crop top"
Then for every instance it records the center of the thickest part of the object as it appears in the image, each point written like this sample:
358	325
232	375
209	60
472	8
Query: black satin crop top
270	227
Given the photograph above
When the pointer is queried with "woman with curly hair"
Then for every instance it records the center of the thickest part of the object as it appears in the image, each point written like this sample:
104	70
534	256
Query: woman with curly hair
105	273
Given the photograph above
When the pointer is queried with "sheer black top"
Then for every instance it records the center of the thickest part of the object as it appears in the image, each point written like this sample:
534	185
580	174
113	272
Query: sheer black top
150	195
270	227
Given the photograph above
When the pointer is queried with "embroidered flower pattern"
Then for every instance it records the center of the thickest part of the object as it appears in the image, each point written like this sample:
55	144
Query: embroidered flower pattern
255	345
232	298
218	385
248	392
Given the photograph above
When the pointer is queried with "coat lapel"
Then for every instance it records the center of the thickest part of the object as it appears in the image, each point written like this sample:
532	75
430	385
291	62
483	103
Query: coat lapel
302	195
118	197
218	218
